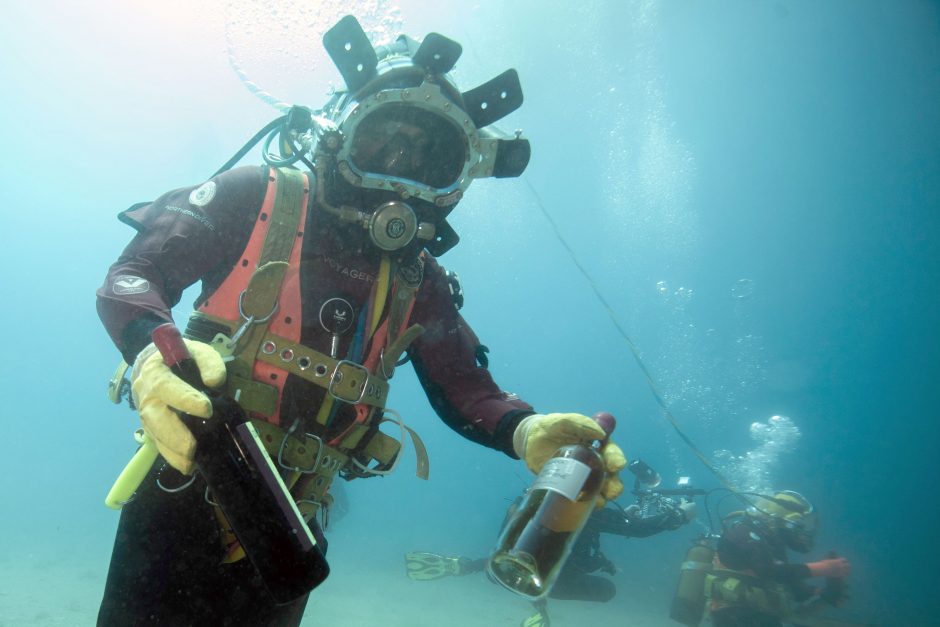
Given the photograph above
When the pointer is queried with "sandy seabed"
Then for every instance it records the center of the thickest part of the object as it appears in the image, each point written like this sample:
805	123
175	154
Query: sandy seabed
62	590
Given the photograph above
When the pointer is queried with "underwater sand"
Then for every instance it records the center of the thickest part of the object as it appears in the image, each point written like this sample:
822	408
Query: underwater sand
43	589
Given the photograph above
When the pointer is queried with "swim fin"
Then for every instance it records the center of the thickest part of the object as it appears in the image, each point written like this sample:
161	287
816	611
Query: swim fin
540	618
423	566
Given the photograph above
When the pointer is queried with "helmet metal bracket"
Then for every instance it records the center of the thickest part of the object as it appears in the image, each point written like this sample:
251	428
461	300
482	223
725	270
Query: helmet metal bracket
444	239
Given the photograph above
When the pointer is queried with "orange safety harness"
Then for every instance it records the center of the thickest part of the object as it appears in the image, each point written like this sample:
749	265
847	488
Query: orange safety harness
255	316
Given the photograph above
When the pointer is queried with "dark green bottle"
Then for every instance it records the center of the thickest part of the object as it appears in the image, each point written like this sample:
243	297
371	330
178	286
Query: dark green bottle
245	484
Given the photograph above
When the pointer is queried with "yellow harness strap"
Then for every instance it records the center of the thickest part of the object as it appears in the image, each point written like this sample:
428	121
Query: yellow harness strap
734	588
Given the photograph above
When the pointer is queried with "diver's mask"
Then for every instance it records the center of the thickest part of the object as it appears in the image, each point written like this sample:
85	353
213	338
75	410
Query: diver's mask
403	127
799	530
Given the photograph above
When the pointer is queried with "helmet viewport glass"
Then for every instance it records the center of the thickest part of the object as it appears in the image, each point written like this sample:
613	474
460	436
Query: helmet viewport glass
410	143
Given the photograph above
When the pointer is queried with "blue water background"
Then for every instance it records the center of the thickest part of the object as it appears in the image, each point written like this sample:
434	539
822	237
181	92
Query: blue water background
680	148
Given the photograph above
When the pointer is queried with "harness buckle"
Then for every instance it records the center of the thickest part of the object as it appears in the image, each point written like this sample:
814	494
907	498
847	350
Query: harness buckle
351	382
316	462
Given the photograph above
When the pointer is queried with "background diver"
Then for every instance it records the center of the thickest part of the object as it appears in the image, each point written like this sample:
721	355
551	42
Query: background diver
653	512
748	581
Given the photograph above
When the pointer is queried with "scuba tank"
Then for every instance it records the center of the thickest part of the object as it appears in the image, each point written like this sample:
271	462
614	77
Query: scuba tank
688	604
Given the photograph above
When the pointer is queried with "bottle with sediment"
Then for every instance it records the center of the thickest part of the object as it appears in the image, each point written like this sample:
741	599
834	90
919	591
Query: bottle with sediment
538	534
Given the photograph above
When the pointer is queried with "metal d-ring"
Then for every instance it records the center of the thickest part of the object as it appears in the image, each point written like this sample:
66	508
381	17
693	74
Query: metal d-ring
303	471
322	507
382	364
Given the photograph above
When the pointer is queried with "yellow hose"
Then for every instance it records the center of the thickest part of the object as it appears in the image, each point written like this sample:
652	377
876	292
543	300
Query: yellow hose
381	293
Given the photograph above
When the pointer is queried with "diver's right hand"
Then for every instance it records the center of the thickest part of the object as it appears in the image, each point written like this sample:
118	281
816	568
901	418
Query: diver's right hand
538	436
159	395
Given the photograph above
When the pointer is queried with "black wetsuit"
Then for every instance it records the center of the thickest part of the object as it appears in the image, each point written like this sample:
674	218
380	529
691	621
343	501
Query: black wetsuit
165	568
576	581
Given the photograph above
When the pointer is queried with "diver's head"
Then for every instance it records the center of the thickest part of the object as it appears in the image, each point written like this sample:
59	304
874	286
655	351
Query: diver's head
791	515
402	128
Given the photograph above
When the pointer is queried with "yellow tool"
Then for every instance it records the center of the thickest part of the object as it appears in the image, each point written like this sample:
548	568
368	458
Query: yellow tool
134	472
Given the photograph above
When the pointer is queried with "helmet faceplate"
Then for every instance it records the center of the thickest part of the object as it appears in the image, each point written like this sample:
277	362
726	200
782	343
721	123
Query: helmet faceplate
404	125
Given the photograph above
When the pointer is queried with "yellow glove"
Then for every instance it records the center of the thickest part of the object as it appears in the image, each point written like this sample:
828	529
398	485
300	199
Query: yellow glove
159	395
538	436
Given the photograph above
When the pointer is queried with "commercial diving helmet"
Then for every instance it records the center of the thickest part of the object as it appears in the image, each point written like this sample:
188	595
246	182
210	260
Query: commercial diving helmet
794	516
402	126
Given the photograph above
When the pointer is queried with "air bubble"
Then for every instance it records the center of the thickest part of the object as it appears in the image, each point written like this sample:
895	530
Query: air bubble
754	471
742	289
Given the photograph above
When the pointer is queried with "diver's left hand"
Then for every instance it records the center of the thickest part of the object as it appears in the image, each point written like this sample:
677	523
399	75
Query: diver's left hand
538	436
689	510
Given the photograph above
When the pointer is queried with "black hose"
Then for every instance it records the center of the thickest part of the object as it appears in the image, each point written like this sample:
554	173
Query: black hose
251	144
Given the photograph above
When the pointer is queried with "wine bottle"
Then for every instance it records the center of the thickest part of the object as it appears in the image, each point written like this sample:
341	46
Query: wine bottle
538	534
244	482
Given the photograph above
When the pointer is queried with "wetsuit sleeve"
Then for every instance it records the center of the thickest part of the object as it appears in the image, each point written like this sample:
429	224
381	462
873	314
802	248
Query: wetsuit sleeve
744	547
445	358
613	522
185	235
609	520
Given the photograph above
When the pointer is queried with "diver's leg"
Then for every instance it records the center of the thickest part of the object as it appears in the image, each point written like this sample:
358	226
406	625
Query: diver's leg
572	586
166	567
165	545
248	602
739	616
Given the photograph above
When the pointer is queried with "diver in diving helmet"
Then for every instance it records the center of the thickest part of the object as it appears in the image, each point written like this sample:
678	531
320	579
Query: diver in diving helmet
402	130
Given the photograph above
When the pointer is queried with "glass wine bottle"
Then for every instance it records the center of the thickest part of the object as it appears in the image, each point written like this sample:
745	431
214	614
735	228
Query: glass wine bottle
243	481
538	534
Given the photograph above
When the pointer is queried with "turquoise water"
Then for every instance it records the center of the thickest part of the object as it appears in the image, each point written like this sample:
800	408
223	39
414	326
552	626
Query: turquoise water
751	186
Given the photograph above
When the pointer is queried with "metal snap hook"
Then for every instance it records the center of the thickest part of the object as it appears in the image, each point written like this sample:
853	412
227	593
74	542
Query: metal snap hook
249	320
176	489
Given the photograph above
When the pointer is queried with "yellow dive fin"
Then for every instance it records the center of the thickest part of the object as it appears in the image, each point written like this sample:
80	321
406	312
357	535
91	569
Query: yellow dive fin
423	566
540	618
133	474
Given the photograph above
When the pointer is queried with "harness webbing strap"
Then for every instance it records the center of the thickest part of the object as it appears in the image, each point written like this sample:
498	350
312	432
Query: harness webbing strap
341	378
735	588
258	304
249	300
284	221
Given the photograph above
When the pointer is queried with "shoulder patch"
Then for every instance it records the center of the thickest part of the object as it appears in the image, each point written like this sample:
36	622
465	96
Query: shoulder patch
127	284
203	195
